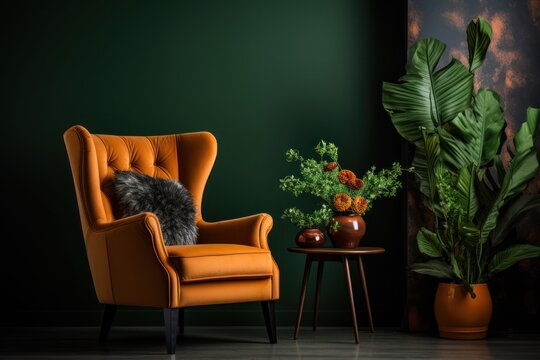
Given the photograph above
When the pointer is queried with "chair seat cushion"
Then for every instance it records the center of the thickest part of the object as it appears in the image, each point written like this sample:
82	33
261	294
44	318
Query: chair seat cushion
208	262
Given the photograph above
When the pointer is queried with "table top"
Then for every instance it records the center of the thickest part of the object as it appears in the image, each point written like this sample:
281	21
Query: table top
338	251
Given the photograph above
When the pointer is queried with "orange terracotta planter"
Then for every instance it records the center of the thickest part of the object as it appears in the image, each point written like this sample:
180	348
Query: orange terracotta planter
458	315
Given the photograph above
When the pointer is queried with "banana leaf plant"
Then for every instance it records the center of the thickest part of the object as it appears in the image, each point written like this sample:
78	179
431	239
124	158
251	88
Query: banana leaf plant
458	135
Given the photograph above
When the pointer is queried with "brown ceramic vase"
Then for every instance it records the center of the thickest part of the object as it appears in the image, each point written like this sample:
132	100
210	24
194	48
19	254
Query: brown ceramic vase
458	315
309	238
351	230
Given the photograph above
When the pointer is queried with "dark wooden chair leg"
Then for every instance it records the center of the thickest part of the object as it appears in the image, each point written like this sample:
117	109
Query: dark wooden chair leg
171	327
181	320
108	316
307	268
269	313
350	292
320	269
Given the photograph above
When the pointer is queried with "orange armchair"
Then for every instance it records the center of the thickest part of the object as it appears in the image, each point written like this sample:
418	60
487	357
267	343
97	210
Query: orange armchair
129	262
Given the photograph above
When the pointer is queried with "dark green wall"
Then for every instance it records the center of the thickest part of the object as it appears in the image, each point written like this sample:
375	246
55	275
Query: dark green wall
262	76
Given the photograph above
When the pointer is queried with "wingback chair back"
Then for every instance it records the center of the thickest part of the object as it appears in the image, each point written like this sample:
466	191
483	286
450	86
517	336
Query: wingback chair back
185	157
129	262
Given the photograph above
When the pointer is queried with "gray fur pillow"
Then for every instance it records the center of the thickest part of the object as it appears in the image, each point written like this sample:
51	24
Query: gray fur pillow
168	199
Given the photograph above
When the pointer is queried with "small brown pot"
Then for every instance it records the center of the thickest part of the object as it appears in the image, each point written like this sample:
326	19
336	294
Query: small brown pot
310	238
351	230
458	315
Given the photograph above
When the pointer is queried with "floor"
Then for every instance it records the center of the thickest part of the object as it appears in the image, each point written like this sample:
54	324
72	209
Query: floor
251	343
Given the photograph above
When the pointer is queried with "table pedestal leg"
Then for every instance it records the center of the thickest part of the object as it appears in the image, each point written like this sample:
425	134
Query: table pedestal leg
320	268
307	268
351	296
366	296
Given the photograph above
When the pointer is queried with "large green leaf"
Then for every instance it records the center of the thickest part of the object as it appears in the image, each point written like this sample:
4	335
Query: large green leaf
435	268
429	243
524	138
511	255
479	36
474	137
466	190
521	169
453	88
426	98
499	168
420	165
512	215
426	164
432	151
470	234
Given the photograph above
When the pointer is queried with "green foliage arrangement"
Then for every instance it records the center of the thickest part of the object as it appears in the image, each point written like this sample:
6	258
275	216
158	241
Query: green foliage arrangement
458	136
337	189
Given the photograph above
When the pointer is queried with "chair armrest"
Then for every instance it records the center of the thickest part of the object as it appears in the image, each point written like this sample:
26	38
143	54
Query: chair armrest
133	253
140	229
250	230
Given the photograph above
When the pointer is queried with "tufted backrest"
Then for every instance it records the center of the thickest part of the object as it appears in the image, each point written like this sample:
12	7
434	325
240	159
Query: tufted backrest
185	157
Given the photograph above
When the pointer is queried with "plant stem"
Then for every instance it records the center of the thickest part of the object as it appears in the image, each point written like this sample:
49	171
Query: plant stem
478	260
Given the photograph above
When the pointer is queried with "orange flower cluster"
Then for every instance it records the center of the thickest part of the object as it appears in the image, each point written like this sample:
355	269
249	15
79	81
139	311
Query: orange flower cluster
342	202
347	177
330	166
359	205
357	184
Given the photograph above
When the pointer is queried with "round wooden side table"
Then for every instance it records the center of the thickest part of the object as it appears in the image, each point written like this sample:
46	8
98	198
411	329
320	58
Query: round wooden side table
345	256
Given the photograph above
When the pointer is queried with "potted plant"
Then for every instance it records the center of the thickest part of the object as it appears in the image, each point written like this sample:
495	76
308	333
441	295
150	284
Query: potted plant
343	197
458	137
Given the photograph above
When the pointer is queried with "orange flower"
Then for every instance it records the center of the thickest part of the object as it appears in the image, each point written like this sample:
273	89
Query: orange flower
360	205
346	177
342	202
357	184
330	166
